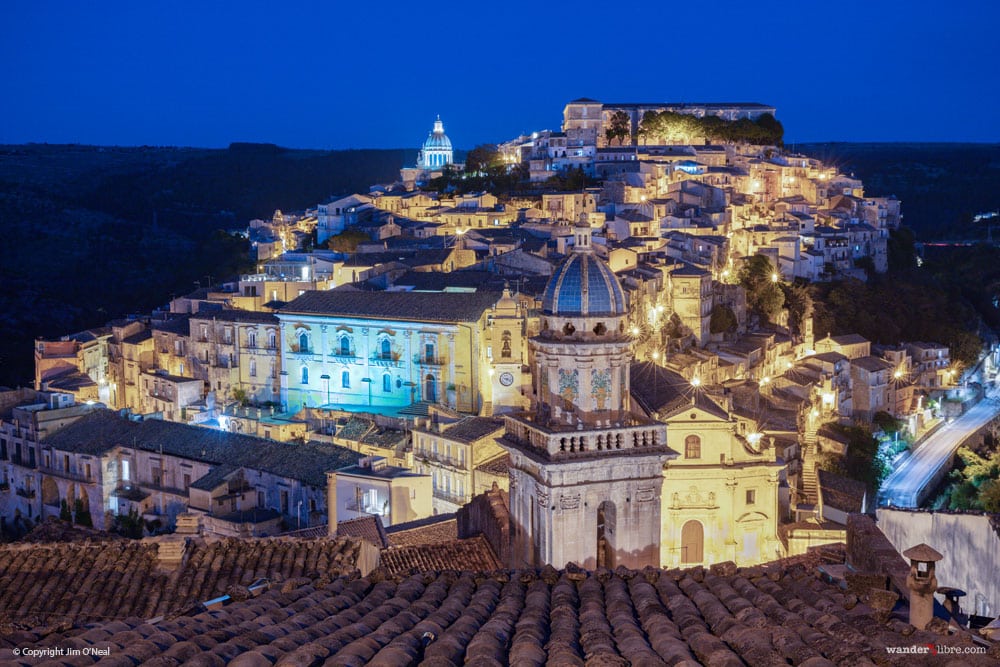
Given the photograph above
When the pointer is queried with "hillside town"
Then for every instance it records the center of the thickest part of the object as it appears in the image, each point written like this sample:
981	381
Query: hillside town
609	365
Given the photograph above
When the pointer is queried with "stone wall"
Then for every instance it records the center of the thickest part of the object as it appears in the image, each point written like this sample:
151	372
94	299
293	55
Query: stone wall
869	551
487	515
969	542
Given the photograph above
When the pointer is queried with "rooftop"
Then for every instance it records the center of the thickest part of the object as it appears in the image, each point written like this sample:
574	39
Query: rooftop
778	614
412	306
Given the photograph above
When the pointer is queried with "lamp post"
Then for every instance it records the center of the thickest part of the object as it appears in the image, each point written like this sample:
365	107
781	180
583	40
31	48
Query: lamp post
326	378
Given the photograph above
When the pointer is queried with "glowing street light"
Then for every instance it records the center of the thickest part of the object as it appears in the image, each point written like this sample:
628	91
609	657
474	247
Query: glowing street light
774	277
696	382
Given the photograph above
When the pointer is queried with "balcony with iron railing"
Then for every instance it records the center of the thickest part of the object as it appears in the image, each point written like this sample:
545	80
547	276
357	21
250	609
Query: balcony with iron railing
433	361
64	474
130	491
385	361
451	497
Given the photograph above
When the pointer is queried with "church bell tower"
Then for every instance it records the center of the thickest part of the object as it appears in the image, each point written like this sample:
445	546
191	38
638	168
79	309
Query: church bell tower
586	472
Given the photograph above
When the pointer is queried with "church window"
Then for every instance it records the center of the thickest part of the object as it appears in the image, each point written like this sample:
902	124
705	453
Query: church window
692	447
345	379
505	351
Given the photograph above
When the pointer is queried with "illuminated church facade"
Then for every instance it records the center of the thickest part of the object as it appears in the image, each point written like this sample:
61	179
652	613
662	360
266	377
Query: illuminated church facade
585	472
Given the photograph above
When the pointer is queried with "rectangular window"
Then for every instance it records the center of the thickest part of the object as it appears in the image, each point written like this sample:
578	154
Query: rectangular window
751	496
86	470
187	481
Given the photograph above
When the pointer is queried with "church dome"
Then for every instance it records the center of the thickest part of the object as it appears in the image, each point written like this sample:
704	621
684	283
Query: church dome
437	139
584	286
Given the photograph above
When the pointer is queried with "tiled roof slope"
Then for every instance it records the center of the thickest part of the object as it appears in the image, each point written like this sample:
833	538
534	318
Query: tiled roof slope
102	430
85	581
473	554
417	306
432	530
761	617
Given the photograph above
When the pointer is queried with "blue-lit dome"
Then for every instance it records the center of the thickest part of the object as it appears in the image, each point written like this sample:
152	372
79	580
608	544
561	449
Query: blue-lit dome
584	286
436	151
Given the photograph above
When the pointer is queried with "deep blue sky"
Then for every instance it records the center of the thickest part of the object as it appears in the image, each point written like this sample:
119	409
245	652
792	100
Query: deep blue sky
353	74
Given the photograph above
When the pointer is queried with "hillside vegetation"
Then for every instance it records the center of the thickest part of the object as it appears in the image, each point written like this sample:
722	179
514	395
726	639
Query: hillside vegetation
94	233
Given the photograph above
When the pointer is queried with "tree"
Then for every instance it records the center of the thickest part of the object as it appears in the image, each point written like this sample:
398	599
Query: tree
764	296
989	496
482	159
723	320
346	241
861	461
800	306
82	514
619	127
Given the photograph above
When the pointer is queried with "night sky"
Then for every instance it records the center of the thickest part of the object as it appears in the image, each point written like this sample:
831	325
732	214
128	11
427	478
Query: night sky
351	74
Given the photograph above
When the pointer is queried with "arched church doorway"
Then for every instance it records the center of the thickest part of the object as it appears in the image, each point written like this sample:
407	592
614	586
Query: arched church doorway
606	534
692	542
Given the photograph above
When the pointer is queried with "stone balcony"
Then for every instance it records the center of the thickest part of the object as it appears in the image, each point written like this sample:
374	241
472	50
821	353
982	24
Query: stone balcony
564	442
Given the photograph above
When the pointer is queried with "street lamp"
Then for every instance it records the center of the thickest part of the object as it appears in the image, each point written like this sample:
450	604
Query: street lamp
326	378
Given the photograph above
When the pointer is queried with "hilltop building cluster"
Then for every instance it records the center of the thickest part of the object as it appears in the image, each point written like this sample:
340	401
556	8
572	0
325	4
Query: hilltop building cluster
587	359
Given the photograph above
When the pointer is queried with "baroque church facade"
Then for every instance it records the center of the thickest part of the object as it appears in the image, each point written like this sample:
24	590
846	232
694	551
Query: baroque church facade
597	481
585	472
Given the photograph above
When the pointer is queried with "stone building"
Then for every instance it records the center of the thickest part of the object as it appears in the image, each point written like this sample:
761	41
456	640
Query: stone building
720	496
386	350
585	473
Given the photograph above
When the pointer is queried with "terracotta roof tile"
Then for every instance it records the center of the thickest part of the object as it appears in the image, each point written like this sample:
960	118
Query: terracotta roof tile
778	614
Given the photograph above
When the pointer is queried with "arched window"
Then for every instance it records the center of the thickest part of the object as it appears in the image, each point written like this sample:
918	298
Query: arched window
305	375
345	346
272	340
505	352
430	389
386	383
303	342
692	447
345	379
386	349
251	338
253	367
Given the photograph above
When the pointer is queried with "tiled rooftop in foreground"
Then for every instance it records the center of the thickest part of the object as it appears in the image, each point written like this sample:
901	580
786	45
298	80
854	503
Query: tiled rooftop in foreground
783	613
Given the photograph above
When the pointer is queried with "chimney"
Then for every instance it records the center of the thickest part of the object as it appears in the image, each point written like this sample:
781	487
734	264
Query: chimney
331	504
921	583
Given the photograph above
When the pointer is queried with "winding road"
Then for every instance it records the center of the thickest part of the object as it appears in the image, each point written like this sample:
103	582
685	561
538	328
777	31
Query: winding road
907	484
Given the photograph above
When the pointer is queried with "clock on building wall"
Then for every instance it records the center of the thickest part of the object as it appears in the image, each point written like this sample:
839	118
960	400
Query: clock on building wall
506	379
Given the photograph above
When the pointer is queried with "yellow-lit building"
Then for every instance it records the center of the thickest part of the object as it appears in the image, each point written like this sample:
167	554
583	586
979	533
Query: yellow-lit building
720	496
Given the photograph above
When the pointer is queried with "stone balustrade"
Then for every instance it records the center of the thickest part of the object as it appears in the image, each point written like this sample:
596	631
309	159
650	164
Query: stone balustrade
586	442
